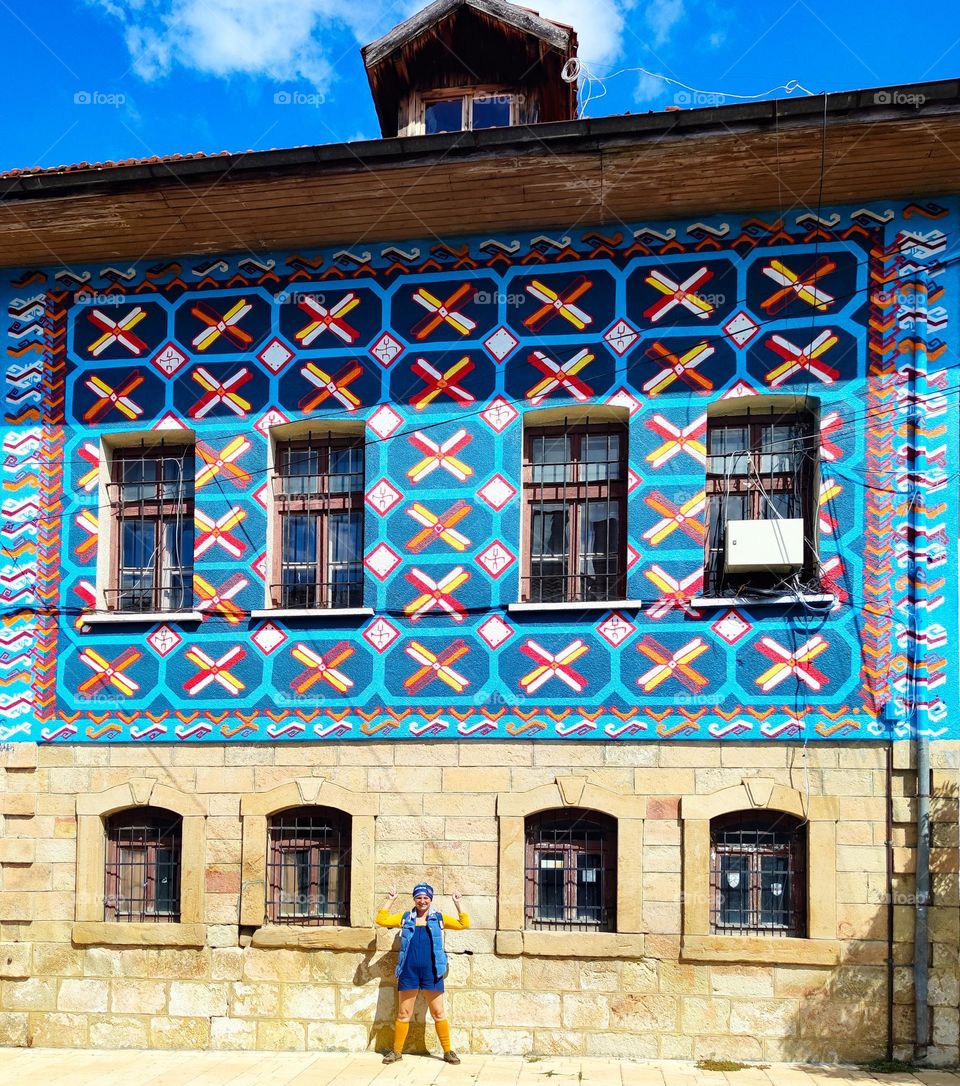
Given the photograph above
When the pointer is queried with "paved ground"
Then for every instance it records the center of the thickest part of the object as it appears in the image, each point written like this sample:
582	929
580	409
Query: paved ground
74	1067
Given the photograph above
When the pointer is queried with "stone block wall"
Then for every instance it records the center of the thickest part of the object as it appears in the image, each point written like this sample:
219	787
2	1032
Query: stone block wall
443	811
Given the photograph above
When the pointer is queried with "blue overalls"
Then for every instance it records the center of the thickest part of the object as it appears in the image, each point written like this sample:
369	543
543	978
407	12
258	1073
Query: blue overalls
423	961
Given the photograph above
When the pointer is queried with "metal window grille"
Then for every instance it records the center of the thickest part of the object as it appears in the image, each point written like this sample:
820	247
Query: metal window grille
142	876
760	466
308	871
318	491
758	876
574	481
151	500
570	875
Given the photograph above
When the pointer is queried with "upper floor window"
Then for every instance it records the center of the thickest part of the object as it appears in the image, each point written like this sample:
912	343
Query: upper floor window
472	110
308	869
758	877
142	877
571	861
318	535
574	483
761	499
151	502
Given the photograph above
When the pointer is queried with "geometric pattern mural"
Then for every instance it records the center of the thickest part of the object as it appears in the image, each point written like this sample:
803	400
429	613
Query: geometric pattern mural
440	350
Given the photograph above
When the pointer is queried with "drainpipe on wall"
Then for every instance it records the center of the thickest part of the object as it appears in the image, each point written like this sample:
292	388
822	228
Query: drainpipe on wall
916	572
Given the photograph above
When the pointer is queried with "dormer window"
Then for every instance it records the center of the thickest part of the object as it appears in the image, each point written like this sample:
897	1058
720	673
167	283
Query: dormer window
471	110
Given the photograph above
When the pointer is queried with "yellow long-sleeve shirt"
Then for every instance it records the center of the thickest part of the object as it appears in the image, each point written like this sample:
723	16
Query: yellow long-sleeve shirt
394	920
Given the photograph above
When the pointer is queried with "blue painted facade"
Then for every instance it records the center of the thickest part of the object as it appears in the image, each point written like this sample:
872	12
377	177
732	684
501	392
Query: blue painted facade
217	347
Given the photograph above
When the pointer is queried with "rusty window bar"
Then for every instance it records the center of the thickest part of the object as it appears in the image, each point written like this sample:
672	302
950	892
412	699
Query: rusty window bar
142	875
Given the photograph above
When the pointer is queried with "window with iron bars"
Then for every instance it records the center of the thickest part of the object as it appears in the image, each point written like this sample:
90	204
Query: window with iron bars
142	876
761	465
758	876
570	876
308	870
151	500
574	482
318	494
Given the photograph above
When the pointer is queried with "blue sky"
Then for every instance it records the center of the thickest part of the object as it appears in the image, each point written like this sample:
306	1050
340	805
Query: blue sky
97	80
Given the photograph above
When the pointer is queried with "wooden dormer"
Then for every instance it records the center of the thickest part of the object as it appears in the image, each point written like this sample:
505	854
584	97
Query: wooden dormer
470	64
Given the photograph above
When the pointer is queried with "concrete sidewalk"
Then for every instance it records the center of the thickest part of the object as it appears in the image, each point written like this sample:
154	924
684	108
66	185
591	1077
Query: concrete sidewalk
77	1067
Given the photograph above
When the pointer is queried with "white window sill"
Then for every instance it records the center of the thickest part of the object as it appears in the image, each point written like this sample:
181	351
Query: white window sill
116	618
590	605
312	612
814	599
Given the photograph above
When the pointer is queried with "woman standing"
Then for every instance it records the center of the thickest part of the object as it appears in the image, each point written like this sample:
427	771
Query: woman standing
422	964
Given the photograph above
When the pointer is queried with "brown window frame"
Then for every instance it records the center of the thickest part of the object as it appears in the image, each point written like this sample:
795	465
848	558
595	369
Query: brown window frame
151	830
574	493
322	592
578	833
777	836
298	830
754	485
156	511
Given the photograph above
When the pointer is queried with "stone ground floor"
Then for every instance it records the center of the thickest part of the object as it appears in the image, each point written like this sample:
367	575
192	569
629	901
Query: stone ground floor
76	1067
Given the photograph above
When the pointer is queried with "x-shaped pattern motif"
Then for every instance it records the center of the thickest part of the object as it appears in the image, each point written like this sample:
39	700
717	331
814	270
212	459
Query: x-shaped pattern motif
336	386
212	532
220	392
560	375
687	439
673	593
674	517
440	455
328	320
802	285
554	665
218	325
225	461
796	359
444	311
436	593
322	668
109	397
678	367
438	526
682	294
787	663
556	303
672	665
436	665
117	331
445	381
109	672
214	671
220	600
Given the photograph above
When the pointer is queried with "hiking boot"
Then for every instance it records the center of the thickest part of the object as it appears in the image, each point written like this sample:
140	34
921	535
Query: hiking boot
394	1057
451	1057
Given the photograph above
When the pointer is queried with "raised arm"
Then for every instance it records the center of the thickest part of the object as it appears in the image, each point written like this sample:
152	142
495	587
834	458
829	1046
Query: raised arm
461	920
384	917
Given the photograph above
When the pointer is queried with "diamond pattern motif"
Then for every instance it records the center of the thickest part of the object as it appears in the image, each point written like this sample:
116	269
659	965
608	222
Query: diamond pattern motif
731	627
496	559
268	638
501	343
496	492
615	629
382	497
275	355
621	336
387	350
499	415
495	632
381	634
163	640
382	561
169	359
741	328
384	421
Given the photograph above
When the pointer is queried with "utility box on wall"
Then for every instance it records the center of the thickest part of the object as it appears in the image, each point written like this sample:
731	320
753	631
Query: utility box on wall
764	544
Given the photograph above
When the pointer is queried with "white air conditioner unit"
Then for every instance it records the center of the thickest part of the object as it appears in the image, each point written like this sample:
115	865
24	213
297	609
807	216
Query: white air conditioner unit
776	545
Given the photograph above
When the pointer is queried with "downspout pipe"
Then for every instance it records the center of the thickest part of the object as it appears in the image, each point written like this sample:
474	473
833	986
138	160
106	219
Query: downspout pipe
916	585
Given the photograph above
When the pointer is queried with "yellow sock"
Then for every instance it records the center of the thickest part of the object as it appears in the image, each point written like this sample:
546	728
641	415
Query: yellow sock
443	1032
400	1031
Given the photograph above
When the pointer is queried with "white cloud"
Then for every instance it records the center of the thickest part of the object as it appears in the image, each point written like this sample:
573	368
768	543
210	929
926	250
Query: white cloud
662	18
282	41
308	39
648	89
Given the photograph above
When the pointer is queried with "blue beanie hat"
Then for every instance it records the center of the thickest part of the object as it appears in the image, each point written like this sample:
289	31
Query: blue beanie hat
423	888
